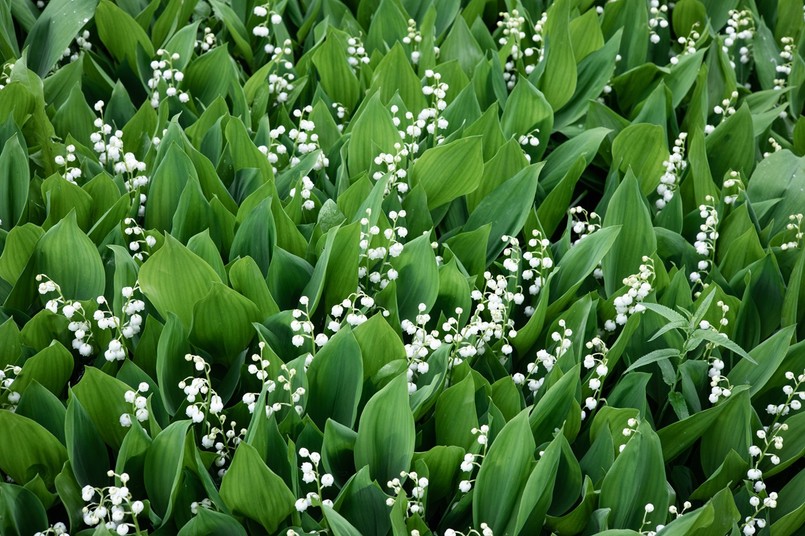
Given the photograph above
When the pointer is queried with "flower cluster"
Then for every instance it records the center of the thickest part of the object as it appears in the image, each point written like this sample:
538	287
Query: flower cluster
125	328
421	343
538	257
658	18
674	166
303	329
639	286
394	165
79	324
775	145
705	243
281	79
485	531
374	263
787	59
539	42
207	42
70	171
164	75
57	529
114	506
512	35
268	16
140	243
311	474
139	405
416	503
260	369
303	139
687	43
105	142
305	190
596	361
82	44
724	110
720	386
7	377
472	460
583	223
356	53
202	399
740	32
414	39
794	224
772	443
562	343
629	431
430	118
490	320
733	182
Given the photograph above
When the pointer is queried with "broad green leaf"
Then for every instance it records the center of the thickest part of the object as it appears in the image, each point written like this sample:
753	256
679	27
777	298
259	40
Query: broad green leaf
34	451
169	293
503	474
450	170
268	503
506	209
335	377
641	147
121	34
635	479
222	322
386	432
68	257
582	259
558	82
164	462
418	279
627	209
54	31
14	177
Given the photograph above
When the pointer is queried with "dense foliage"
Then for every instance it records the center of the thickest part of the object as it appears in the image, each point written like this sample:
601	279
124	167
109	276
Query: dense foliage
402	267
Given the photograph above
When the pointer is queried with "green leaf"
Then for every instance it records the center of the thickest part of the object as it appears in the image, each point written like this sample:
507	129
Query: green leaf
211	522
68	257
163	466
641	147
54	31
582	259
14	177
418	279
34	451
386	432
558	82
731	146
627	209
103	398
121	34
456	415
222	322
86	450
335	74
170	294
676	438
449	171
635	479
372	133
251	489
335	377
504	471
51	368
506	208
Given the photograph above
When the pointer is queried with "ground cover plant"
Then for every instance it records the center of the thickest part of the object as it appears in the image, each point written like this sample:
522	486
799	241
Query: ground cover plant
453	267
